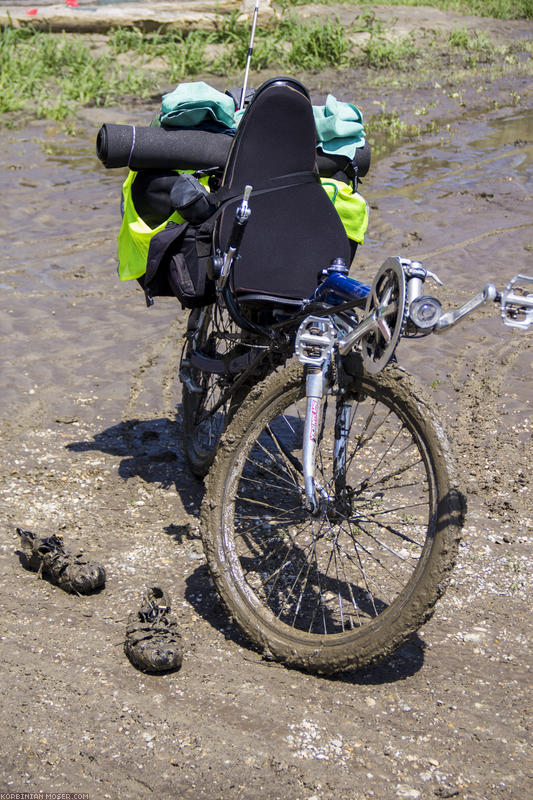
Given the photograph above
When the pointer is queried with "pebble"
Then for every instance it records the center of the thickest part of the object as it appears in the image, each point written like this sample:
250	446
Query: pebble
405	791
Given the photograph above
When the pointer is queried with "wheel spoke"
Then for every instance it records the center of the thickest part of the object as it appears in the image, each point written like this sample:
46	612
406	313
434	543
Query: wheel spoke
320	568
315	581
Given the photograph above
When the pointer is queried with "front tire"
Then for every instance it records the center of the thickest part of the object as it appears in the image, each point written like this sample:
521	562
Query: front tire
346	587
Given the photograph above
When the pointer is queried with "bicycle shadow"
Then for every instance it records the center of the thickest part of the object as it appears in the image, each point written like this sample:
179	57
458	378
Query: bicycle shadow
404	663
151	450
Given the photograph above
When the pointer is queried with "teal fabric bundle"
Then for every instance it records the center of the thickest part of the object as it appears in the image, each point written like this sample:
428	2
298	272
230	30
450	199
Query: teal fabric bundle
192	104
339	127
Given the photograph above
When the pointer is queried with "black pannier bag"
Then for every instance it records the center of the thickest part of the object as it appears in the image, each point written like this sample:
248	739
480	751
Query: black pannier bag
178	256
177	265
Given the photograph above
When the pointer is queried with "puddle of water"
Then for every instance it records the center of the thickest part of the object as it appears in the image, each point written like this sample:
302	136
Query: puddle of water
511	130
506	144
460	203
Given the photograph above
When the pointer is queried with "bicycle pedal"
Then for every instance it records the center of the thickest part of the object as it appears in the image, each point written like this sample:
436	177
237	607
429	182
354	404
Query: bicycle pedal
315	341
517	303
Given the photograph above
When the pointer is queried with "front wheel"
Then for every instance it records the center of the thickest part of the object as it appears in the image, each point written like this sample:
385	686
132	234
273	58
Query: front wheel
343	587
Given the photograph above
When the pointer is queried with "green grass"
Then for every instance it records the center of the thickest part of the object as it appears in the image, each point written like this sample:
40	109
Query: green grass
51	75
54	74
317	44
477	48
232	35
380	53
292	44
499	9
183	53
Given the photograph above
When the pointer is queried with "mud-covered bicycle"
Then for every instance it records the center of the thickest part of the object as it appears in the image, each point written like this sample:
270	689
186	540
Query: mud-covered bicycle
332	512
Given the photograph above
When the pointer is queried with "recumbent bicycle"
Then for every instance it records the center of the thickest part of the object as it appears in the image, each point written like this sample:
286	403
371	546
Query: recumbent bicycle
332	514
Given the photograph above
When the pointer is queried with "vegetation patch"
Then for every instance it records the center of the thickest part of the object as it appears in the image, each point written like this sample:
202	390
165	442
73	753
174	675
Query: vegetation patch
51	75
498	9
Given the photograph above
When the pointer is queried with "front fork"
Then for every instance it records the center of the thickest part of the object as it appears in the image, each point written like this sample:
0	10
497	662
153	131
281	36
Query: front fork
314	347
317	387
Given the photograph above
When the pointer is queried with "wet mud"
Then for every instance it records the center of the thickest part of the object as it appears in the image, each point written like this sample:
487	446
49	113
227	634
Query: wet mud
92	449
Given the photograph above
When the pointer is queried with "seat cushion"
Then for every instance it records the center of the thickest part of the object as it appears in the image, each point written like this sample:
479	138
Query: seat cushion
294	231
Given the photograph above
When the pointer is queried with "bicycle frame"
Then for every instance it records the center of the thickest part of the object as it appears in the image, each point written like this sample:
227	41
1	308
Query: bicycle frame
316	345
394	306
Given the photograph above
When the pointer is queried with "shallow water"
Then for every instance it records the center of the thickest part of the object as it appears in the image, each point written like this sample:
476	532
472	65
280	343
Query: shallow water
459	201
505	142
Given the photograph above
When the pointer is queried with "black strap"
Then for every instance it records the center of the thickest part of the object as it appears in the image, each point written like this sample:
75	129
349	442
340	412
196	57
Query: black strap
226	197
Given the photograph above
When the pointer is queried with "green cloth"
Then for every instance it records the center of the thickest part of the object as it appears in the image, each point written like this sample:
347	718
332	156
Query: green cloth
191	104
134	236
339	127
350	206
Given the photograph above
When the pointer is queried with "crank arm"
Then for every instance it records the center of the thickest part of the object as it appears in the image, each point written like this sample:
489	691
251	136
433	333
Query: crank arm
374	321
451	318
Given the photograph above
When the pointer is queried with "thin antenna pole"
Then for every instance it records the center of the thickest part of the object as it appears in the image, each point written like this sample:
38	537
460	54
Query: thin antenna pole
249	56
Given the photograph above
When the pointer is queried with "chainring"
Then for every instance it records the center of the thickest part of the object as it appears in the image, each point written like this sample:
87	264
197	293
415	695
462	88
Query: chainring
387	301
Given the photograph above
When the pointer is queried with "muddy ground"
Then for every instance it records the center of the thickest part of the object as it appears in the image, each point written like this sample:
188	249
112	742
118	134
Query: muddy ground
92	449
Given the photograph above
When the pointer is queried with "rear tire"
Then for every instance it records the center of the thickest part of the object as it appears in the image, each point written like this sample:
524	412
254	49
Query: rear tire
211	333
345	588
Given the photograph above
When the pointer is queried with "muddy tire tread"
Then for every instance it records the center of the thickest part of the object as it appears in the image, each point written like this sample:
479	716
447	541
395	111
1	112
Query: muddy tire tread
389	630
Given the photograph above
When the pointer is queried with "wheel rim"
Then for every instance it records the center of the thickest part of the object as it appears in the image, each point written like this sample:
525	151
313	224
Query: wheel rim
336	572
204	417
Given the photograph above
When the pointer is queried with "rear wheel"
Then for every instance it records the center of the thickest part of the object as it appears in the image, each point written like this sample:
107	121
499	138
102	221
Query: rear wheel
211	336
347	586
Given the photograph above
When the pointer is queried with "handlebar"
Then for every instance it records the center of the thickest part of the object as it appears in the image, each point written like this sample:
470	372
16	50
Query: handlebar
424	312
242	215
396	306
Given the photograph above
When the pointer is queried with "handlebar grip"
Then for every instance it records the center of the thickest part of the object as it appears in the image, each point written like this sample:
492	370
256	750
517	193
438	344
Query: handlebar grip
242	214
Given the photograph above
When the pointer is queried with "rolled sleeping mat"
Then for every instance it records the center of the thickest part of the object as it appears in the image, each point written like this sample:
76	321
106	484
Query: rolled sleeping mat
329	164
158	148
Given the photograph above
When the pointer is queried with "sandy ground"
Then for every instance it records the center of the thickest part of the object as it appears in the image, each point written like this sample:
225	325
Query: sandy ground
91	448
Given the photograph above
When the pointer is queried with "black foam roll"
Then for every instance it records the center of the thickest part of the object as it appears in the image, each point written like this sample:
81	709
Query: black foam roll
157	148
330	164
